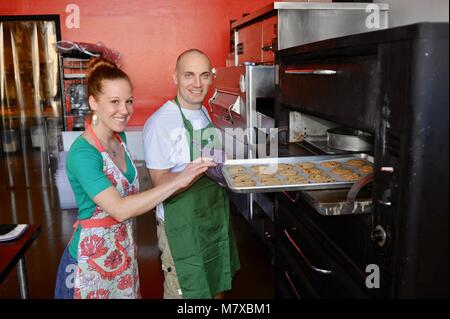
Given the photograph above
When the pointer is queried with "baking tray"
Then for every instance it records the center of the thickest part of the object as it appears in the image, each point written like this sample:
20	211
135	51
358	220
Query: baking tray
349	139
332	202
272	162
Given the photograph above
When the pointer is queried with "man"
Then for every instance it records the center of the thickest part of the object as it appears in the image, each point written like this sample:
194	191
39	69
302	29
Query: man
199	255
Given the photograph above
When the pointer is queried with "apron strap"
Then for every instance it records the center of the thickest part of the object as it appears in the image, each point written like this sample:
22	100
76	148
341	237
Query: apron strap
93	223
185	120
190	128
99	146
102	222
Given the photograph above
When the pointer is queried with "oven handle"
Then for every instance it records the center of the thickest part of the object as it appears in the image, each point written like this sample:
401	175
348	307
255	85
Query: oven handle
226	118
291	284
311	71
349	205
209	101
354	190
322	271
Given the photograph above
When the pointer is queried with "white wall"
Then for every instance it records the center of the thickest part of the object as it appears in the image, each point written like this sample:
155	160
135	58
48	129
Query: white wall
403	12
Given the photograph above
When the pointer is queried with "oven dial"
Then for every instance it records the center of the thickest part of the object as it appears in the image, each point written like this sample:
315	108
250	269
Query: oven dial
386	198
379	236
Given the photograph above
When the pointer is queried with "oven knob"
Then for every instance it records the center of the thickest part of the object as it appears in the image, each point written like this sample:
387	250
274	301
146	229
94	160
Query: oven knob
386	198
385	203
379	236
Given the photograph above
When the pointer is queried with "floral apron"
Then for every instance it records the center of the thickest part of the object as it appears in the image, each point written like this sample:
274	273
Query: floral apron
107	251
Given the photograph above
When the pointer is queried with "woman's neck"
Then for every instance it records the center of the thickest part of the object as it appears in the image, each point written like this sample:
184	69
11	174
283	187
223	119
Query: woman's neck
104	134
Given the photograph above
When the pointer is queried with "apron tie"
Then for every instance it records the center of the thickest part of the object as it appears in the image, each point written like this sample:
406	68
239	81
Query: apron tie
92	223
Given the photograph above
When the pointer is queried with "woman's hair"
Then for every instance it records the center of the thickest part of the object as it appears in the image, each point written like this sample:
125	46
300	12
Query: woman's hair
101	69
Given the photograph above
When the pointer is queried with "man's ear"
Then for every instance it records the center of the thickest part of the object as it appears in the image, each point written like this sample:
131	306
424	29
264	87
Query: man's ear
174	77
92	103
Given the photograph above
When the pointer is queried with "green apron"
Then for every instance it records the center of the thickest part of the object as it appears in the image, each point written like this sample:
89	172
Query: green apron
201	240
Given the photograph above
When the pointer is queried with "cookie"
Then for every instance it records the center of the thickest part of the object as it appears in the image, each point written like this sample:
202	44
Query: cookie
330	164
241	178
355	162
305	165
366	169
284	167
320	178
295	179
313	171
269	181
263	169
349	177
262	175
236	169
287	173
341	171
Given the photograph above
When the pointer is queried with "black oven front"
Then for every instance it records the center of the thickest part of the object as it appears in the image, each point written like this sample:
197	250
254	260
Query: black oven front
394	84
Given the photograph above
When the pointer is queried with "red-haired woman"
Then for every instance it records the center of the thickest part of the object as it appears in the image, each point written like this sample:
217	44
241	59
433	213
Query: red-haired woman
101	258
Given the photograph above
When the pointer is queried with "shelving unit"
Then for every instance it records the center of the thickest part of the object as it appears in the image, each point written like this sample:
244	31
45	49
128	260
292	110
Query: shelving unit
75	104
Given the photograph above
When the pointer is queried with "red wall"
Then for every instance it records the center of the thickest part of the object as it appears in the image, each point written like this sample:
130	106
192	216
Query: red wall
149	34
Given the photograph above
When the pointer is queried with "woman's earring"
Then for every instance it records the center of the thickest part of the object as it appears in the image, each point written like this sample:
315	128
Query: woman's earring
94	119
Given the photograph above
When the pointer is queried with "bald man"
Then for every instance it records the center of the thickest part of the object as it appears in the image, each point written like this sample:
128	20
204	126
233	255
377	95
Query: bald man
198	251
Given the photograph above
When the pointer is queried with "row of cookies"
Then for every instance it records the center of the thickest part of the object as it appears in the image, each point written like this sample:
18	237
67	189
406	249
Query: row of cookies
284	169
356	164
268	174
287	173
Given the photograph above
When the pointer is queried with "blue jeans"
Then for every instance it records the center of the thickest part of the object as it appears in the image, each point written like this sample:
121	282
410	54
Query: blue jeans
65	278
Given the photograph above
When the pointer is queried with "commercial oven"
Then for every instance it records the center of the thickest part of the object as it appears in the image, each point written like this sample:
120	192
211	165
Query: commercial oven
393	85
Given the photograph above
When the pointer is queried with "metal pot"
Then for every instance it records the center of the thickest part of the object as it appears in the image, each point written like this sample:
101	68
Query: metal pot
349	139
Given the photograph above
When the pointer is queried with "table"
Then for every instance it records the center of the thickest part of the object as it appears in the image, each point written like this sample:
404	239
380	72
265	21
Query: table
12	253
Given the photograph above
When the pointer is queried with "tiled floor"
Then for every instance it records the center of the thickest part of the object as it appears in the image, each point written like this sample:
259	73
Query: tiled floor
40	205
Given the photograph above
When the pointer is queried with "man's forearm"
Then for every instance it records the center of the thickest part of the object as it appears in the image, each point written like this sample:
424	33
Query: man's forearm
168	177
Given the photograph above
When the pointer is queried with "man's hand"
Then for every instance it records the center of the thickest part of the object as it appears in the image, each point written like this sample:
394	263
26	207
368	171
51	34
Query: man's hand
193	171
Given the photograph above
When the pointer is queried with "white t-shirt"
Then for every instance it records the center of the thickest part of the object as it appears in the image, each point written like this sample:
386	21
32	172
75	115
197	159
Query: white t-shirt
165	141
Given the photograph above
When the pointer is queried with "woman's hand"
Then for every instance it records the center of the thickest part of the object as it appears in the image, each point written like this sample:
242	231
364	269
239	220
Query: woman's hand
193	171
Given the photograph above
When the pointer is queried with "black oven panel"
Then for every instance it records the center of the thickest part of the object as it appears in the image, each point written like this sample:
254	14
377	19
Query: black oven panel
350	236
309	263
392	83
337	88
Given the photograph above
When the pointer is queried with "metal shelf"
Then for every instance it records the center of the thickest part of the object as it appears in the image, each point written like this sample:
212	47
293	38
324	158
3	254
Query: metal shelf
80	67
74	76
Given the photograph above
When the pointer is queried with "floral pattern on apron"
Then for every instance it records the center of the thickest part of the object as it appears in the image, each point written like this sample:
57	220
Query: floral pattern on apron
107	250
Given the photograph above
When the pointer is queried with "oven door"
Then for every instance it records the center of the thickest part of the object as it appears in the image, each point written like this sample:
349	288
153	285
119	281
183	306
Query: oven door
338	89
313	265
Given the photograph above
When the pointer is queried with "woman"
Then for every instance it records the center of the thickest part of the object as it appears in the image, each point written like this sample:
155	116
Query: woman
101	258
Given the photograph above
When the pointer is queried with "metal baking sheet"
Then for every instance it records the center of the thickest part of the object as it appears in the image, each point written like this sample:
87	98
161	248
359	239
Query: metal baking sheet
272	162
